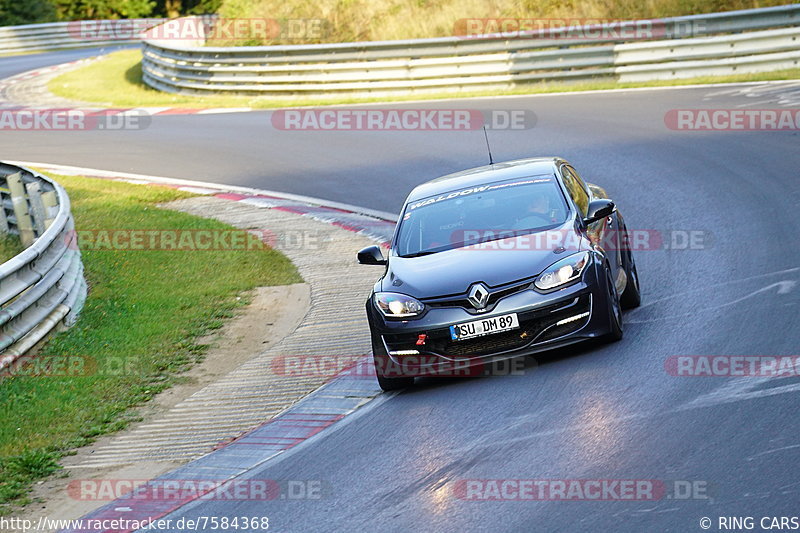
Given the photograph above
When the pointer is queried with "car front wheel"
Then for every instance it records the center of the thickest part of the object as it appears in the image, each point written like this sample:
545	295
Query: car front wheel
390	384
382	363
631	297
614	308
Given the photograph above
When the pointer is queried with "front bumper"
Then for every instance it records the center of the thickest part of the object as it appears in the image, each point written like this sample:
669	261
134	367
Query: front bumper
546	321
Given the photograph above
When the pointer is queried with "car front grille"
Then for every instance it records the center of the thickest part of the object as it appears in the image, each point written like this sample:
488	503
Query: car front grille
536	326
499	342
495	295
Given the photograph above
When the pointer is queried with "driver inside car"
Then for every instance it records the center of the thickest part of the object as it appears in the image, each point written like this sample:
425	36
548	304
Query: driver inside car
536	214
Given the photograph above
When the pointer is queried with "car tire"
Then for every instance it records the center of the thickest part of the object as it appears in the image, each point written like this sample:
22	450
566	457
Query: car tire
387	383
631	297
390	384
614	309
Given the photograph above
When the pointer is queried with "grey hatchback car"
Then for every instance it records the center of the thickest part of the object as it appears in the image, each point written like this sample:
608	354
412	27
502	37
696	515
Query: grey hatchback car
497	262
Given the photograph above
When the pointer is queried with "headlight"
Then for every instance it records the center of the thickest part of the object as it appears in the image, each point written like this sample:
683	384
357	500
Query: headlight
562	272
397	305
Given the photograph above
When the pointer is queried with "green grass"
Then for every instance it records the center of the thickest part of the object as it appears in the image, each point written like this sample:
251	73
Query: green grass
116	81
146	308
10	245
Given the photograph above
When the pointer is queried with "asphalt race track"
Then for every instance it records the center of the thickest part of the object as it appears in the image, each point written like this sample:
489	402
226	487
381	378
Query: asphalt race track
590	412
17	64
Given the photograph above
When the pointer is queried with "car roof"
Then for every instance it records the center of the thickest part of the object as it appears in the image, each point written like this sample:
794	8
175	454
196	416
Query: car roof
506	170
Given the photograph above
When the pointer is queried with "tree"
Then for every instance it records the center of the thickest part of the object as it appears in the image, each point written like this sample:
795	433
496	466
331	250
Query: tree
14	12
177	8
103	9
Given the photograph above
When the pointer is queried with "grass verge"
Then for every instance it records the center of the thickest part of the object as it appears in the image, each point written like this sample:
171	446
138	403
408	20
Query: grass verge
10	245
144	315
116	81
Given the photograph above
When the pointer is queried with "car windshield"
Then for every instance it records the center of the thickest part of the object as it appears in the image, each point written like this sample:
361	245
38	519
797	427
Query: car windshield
479	214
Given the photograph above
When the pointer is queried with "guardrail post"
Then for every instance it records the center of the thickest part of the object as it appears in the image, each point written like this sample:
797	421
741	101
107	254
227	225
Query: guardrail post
20	202
50	203
36	206
3	218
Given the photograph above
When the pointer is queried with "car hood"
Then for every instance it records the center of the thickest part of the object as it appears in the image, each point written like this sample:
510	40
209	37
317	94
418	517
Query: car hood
499	262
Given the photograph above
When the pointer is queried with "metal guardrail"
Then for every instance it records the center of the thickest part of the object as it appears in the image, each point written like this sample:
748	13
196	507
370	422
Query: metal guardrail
52	36
42	287
688	46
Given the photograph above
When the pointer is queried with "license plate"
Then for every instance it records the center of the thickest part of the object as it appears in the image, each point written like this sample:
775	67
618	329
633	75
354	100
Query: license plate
486	326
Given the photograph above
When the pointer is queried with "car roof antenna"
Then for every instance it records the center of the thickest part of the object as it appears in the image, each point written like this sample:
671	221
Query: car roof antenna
488	148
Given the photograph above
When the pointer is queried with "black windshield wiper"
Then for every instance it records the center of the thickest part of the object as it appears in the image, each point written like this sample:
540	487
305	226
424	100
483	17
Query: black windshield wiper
420	254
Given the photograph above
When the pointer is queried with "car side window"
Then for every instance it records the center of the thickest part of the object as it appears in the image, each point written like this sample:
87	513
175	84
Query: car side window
576	189
578	178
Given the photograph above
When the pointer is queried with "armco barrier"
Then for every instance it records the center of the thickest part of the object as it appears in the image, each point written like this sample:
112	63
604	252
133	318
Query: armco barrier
55	36
690	46
43	286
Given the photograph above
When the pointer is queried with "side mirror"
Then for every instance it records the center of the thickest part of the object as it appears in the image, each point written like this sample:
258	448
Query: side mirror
599	209
371	255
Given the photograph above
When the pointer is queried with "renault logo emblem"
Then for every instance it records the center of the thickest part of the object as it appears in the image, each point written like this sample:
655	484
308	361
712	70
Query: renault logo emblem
478	296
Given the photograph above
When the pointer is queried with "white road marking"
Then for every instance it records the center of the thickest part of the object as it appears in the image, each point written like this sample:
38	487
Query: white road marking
783	287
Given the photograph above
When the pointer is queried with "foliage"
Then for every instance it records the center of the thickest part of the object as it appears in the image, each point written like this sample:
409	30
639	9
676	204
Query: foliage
15	12
103	9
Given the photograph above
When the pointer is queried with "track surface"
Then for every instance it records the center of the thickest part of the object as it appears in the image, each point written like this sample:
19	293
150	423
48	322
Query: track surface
17	64
591	412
